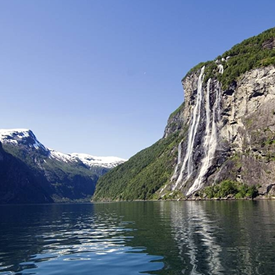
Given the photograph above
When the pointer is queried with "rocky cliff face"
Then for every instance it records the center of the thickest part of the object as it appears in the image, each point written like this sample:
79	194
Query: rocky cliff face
248	125
176	122
231	133
224	133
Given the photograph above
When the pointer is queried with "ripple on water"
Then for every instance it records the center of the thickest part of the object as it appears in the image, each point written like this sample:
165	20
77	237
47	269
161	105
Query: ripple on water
81	246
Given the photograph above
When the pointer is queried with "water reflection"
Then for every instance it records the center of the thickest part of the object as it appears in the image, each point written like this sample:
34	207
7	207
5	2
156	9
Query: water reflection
195	235
61	238
224	237
139	237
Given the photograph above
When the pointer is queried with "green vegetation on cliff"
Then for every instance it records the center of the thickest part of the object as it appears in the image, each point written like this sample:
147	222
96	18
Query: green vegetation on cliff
177	111
257	51
142	175
229	188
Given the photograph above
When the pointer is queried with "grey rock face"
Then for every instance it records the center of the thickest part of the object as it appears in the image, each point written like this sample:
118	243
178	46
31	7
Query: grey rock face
269	44
235	132
175	122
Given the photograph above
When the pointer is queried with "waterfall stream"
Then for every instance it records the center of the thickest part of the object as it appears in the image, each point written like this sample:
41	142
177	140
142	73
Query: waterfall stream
188	160
210	140
178	163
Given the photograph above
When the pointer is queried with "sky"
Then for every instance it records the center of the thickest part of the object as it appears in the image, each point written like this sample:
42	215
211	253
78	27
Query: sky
102	76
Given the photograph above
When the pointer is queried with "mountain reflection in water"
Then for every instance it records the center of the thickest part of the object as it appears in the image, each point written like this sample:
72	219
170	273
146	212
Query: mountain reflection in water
236	237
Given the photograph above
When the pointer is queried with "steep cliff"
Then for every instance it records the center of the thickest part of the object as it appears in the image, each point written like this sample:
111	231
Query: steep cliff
231	132
226	129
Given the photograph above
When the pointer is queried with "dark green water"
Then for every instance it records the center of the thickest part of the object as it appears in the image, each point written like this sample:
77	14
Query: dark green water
139	238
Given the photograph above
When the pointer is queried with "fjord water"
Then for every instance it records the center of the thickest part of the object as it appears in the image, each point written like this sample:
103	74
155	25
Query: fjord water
223	237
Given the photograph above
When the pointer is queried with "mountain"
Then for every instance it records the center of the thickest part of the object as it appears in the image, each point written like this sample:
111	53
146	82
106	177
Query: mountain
17	182
220	142
31	172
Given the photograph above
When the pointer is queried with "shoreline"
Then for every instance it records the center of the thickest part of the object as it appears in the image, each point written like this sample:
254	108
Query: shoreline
258	198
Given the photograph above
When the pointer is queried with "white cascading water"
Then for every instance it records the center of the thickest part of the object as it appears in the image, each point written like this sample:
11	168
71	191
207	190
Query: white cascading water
210	140
188	162
220	67
219	101
207	109
178	163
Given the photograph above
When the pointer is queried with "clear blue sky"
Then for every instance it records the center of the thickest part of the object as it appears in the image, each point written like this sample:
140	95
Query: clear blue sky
102	76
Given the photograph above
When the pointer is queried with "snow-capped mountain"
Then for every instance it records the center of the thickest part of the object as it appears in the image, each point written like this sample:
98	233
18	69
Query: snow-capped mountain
60	177
20	136
27	138
107	162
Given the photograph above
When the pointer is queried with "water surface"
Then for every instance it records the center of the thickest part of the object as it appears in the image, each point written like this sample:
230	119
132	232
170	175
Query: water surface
236	237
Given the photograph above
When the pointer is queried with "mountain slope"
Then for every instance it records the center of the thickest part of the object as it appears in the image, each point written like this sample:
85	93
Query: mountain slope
143	174
18	184
225	130
62	177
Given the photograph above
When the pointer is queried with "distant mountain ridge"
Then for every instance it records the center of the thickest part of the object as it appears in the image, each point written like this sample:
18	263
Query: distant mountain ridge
62	177
27	137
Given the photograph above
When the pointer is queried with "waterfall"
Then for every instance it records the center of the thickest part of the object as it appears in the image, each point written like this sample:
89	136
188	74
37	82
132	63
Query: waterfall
219	93
188	161
220	68
178	163
207	108
210	139
185	168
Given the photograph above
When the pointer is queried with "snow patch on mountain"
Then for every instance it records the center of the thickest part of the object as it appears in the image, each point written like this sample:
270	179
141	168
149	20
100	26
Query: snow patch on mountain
9	135
20	136
60	156
107	162
27	138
